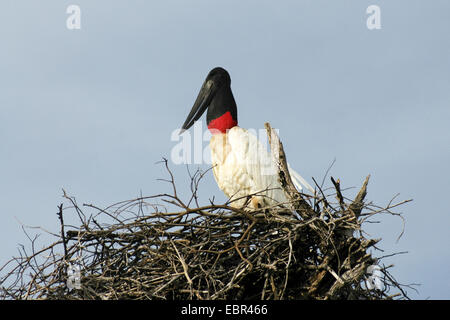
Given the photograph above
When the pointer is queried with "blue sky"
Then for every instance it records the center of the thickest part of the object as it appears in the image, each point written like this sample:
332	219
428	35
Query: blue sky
92	110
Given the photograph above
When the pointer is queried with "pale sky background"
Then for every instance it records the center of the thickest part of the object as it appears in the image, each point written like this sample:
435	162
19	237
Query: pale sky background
92	110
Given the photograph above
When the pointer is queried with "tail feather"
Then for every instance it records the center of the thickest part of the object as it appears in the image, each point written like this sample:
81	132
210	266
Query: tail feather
299	182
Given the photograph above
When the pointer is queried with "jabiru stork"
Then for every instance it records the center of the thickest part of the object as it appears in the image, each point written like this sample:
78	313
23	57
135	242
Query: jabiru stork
242	166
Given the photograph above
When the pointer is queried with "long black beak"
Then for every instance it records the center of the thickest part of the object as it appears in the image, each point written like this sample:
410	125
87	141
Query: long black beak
201	104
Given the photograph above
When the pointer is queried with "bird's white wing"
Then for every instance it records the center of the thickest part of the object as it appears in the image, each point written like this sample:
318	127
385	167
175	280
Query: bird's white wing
249	153
253	155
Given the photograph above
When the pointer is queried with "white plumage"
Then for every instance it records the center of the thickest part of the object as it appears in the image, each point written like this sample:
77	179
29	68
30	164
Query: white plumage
242	166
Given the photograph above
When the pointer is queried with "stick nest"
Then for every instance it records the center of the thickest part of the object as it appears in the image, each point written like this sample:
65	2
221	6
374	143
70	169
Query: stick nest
314	248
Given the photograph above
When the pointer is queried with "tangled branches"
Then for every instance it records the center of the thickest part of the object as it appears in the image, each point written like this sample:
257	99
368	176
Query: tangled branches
139	249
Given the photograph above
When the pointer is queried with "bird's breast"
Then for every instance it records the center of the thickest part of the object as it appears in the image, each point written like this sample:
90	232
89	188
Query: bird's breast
230	174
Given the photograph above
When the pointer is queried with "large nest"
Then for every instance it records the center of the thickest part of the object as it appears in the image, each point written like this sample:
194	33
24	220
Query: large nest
314	248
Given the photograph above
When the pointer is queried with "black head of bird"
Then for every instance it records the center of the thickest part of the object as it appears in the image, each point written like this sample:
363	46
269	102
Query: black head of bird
216	96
